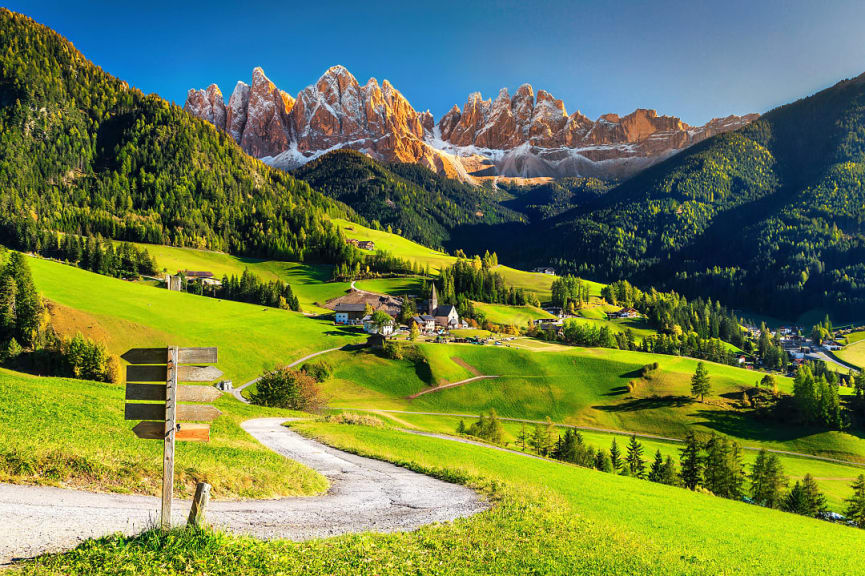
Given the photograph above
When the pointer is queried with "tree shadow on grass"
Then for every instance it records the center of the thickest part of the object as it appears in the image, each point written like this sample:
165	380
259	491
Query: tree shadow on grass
742	424
651	403
617	391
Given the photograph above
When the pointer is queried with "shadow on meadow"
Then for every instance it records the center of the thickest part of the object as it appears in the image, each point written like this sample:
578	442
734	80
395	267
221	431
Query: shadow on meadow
651	403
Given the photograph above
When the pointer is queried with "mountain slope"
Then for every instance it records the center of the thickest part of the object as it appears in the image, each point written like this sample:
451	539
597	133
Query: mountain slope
416	202
83	153
769	217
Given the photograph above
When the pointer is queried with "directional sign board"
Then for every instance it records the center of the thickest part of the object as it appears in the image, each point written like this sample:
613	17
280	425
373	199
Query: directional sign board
153	393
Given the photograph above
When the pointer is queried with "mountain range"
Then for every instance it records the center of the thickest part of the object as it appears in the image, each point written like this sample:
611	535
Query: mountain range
526	135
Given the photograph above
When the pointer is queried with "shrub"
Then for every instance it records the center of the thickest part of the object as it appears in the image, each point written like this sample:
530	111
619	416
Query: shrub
287	388
320	370
355	419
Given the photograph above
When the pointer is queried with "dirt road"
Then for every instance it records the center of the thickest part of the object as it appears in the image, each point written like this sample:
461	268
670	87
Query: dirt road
365	495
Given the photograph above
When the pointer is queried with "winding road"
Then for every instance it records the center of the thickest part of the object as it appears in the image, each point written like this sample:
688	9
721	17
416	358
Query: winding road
364	495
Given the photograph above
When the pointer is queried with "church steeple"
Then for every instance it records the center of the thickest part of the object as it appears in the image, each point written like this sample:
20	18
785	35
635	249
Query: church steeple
433	301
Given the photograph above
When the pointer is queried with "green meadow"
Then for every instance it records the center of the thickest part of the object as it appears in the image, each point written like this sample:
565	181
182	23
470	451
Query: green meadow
72	433
578	386
125	315
853	353
547	518
310	282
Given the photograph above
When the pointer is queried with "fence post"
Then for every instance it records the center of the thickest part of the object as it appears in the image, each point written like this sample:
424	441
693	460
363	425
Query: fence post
199	505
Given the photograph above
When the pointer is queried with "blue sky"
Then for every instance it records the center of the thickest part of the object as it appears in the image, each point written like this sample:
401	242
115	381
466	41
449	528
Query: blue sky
694	59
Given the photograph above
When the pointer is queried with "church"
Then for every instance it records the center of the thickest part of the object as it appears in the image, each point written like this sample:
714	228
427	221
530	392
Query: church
445	315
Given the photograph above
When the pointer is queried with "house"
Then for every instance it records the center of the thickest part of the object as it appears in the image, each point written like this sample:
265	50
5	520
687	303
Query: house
546	270
351	308
366	245
425	323
351	241
370	327
349	313
445	315
556	311
623	313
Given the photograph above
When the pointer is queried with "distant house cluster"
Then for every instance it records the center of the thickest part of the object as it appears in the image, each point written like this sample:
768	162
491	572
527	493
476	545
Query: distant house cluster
362	244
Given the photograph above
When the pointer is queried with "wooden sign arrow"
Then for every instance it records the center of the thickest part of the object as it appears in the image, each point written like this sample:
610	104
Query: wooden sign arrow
143	373
187	432
186	412
160	356
184	393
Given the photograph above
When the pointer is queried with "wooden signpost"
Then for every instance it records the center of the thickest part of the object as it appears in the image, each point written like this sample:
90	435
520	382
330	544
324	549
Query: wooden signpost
153	393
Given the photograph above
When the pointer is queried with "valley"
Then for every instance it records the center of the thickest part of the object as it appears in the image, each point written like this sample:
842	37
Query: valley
507	340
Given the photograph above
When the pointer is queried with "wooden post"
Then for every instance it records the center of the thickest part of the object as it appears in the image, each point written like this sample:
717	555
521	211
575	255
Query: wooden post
170	428
199	504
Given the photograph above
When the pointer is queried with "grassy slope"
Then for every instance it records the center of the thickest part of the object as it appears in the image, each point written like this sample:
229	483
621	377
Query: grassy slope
309	281
853	353
834	479
250	338
72	433
398	246
582	386
549	518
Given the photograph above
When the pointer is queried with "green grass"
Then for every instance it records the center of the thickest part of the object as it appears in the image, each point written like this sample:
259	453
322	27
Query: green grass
586	387
853	353
310	282
399	246
125	314
854	337
548	518
67	432
394	286
518	316
834	479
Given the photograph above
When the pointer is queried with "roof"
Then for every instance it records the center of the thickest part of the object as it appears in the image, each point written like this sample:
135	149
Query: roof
445	309
349	307
196	274
423	318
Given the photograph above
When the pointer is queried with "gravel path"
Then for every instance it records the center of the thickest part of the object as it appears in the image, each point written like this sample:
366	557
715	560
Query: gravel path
365	494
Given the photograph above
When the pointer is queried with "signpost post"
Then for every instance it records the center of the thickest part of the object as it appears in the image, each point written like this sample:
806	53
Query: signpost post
152	395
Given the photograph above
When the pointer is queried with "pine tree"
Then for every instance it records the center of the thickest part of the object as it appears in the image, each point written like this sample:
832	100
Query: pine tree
700	383
636	465
767	480
538	439
855	511
691	463
668	472
602	461
615	456
522	437
656	468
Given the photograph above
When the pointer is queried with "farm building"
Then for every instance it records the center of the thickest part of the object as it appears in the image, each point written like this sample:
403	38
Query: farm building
624	313
351	308
425	323
370	327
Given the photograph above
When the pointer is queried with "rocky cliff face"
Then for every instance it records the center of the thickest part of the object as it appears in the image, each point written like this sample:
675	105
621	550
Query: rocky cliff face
521	136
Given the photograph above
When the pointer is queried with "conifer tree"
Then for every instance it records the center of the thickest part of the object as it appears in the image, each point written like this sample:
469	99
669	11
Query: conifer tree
691	462
668	472
700	383
855	511
656	469
602	461
767	480
636	464
615	456
522	437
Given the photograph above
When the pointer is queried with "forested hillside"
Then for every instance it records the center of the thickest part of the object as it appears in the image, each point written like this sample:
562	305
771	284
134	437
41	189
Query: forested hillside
409	199
83	153
771	217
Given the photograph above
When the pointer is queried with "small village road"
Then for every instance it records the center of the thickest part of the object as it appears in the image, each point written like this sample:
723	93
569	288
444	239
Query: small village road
364	495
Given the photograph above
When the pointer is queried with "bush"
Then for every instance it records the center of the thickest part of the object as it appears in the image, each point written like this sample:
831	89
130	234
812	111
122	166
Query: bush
320	370
355	419
393	351
287	388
